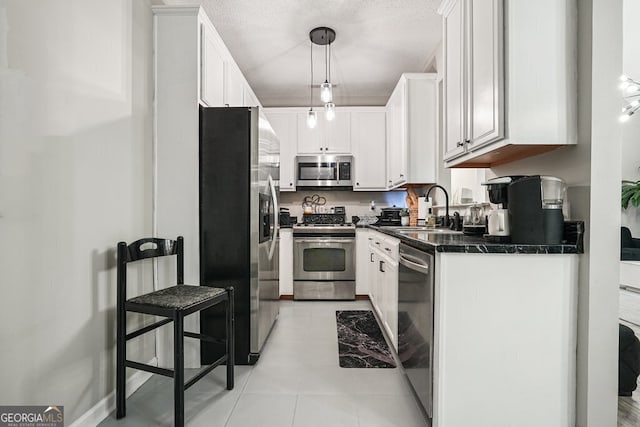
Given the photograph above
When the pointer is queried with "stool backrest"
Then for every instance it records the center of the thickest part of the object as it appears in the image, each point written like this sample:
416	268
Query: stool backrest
150	247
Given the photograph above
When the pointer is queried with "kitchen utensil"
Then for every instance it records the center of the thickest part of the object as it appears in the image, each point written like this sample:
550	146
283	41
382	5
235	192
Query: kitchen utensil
474	220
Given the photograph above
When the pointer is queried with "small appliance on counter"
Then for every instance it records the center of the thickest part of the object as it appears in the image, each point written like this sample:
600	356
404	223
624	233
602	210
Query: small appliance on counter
535	210
285	217
389	216
474	222
498	228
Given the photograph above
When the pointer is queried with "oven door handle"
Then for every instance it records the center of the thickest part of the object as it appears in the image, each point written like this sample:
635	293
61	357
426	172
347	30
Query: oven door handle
414	266
346	240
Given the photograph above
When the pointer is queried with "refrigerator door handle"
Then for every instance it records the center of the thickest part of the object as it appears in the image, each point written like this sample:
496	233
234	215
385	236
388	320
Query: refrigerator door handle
274	236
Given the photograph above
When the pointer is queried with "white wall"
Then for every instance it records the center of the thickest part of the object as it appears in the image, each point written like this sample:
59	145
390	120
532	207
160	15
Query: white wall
75	178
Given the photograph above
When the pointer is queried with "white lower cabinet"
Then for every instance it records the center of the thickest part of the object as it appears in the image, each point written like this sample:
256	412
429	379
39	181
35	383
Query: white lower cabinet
286	261
363	282
514	332
382	258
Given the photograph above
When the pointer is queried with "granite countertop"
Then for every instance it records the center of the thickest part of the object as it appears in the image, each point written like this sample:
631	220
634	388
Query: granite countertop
460	243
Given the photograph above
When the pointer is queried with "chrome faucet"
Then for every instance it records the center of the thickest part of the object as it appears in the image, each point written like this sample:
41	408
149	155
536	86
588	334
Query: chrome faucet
446	200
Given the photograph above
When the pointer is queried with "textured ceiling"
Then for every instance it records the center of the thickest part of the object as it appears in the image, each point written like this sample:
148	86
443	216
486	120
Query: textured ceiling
377	40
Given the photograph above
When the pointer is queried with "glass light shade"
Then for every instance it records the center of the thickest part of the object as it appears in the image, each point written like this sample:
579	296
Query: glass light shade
312	118
330	110
625	117
326	93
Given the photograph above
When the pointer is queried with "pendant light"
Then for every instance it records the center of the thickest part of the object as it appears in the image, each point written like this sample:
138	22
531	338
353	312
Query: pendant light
312	118
326	93
324	36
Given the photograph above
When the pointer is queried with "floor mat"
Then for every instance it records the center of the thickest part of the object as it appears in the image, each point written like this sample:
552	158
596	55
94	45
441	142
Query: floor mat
360	341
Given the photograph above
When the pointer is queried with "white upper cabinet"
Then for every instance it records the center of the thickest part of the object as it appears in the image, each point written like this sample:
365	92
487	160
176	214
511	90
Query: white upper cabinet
397	146
412	130
486	66
338	133
368	143
454	90
285	125
509	79
473	89
328	137
311	140
211	69
234	86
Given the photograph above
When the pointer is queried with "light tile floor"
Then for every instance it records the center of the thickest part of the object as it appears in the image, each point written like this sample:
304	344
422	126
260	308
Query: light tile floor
297	382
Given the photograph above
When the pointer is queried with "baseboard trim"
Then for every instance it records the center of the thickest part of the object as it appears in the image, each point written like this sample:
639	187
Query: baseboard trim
288	297
104	407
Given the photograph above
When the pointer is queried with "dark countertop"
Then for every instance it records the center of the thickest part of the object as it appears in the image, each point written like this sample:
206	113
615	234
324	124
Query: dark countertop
460	243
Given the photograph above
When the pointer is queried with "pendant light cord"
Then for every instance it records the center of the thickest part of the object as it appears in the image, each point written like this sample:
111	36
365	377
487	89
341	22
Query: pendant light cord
329	61
311	84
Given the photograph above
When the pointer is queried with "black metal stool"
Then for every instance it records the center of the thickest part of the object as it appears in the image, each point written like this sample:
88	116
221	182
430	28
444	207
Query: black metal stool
173	303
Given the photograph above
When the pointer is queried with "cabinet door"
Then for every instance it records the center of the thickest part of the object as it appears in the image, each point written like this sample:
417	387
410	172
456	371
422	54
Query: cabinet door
286	262
486	110
248	98
368	144
454	105
211	70
362	262
234	86
285	126
311	141
338	133
391	305
396	140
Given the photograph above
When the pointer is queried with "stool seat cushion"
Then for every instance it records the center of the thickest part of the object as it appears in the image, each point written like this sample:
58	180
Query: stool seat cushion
178	297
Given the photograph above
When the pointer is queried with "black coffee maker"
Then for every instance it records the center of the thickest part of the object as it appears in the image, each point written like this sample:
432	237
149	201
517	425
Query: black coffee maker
535	210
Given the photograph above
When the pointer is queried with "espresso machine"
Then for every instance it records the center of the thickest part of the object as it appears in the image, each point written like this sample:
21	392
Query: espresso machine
498	225
535	210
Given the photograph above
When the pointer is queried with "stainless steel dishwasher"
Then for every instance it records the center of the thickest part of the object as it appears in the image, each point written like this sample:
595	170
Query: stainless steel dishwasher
415	321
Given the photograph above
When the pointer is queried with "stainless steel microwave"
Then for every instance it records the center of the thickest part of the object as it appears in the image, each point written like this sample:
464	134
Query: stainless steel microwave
324	171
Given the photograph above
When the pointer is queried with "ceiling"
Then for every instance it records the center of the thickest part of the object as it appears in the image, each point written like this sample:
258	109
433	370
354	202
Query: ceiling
376	41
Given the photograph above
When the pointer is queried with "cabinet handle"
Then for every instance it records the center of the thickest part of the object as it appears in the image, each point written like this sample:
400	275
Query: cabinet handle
382	266
467	141
377	243
459	144
291	184
357	183
390	181
387	249
371	257
401	175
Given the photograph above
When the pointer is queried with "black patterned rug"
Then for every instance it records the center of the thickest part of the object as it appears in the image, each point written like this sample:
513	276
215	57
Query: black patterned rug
360	341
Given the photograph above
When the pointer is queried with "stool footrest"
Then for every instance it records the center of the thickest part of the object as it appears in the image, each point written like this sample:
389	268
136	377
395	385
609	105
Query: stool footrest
148	328
149	368
206	338
205	371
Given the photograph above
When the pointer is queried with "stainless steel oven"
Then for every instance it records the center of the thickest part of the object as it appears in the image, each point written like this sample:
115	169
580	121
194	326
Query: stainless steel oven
324	262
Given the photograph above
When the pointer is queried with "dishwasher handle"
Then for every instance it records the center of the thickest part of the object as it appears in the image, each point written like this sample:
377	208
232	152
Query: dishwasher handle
414	265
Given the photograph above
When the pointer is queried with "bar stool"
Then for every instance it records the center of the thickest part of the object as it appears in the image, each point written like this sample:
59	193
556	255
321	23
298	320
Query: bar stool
172	303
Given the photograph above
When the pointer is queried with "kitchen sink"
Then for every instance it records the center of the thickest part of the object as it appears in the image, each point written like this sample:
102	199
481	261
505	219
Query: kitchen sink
409	229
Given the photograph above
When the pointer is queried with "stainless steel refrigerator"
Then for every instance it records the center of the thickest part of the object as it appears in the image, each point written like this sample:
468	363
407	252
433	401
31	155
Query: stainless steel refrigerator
239	242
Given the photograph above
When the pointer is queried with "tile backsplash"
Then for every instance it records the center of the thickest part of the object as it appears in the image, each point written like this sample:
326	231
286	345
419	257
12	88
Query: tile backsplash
355	202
